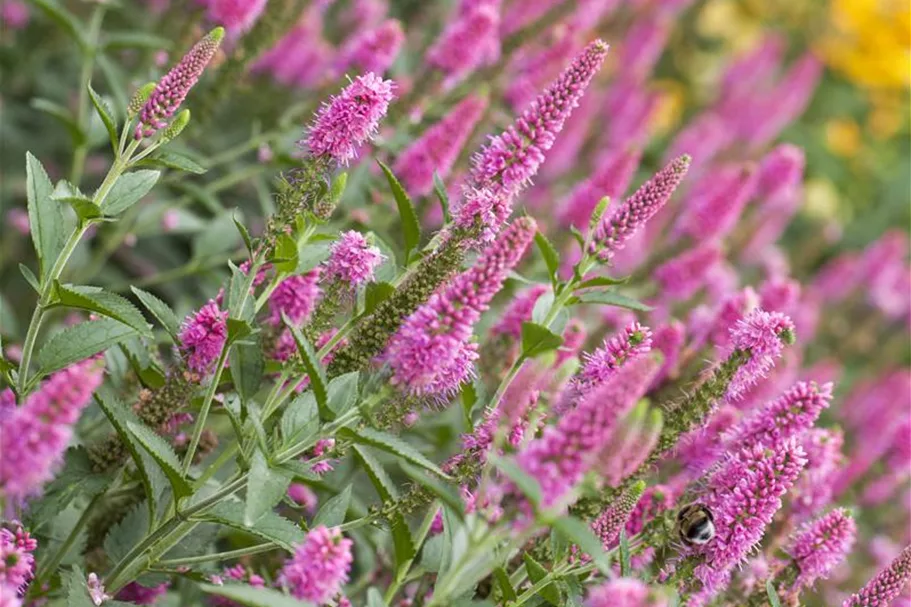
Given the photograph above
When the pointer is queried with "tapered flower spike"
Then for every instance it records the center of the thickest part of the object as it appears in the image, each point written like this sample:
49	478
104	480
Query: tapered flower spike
615	517
786	417
820	546
611	178
743	494
713	214
350	119
202	337
625	592
681	277
319	566
373	50
296	297
763	335
814	490
352	259
438	147
238	574
431	354
36	434
236	15
886	585
466	42
16	562
619	226
565	452
173	88
509	161
781	170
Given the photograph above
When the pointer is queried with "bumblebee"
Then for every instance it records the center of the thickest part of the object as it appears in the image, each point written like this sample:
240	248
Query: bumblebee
695	525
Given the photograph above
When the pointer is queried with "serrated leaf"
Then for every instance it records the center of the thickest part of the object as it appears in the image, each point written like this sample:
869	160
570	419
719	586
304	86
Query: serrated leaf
311	255
610	298
81	341
343	392
128	532
247	366
536	572
161	311
401	536
269	526
522	480
411	228
96	299
77	590
107	116
244	234
128	190
162	453
332	512
45	217
537	339
774	601
245	594
300	421
173	160
440	188
506	590
30	278
266	486
315	372
455	540
445	493
550	255
542	307
376	293
581	535
391	444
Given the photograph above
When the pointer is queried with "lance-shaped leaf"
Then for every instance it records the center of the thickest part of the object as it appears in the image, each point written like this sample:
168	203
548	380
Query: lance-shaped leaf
332	512
244	594
391	444
161	311
314	369
269	526
162	453
96	299
44	214
401	536
411	228
266	486
81	341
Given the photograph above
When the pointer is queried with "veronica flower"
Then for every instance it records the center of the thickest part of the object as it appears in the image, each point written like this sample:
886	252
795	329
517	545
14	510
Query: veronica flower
643	44
821	545
701	139
174	86
17	563
509	161
614	518
786	417
373	50
533	66
295	296
438	147
138	594
611	178
779	295
36	434
631	445
350	119
466	41
681	277
203	336
619	226
762	335
352	259
743	494
781	170
431	355
624	592
772	111
886	585
713	213
518	312
236	15
668	339
319	566
236	574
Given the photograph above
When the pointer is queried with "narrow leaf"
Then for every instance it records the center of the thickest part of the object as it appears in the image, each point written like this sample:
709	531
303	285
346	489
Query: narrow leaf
247	366
774	601
300	421
162	453
266	487
30	278
581	534
245	594
523	481
269	526
610	298
536	572
106	115
161	311
81	341
332	513
244	234
550	255
128	190
445	493
44	215
506	589
410	226
401	536
625	566
95	299
394	445
172	160
315	372
440	188
537	339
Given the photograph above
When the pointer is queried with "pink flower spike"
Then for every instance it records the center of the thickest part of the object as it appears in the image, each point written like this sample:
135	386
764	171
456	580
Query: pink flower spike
762	336
611	178
138	594
714	213
821	545
466	43
886	586
352	259
319	566
509	161
174	86
296	296
786	417
780	172
438	147
624	592
237	16
350	119
643	44
620	225
681	277
14	14
17	564
36	434
701	139
202	337
372	50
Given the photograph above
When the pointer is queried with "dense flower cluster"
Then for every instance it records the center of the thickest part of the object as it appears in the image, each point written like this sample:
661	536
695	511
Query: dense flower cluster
319	567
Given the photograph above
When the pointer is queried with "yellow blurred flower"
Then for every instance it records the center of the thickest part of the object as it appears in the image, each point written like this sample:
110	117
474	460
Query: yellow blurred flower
843	137
870	41
671	100
820	199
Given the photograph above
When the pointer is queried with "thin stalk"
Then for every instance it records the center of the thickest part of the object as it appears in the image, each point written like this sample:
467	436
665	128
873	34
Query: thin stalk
50	565
219	556
85	76
204	411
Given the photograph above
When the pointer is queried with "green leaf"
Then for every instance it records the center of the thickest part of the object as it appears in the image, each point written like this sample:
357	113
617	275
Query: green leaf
401	536
536	572
244	234
440	188
44	215
95	299
30	278
332	513
343	392
247	366
161	311
610	298
162	453
106	115
526	483
300	421
774	601
85	208
506	590
131	39
126	533
625	566
77	590
269	526
581	534
311	255
62	115
64	19
391	444
315	372
550	255
266	487
410	226
220	236
284	255
601	281
128	190
376	293
81	341
374	598
445	493
245	594
537	339
172	160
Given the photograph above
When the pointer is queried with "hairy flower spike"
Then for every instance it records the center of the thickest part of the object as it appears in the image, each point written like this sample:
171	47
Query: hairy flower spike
681	277
352	259
36	434
319	566
615	517
786	417
624	592
466	42
509	161
763	335
296	297
202	337
350	119
437	149
611	178
431	354
373	50
16	562
236	15
172	89
886	585
820	546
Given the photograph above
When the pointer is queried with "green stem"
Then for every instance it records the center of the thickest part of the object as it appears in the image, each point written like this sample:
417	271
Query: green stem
219	556
85	76
50	565
204	411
